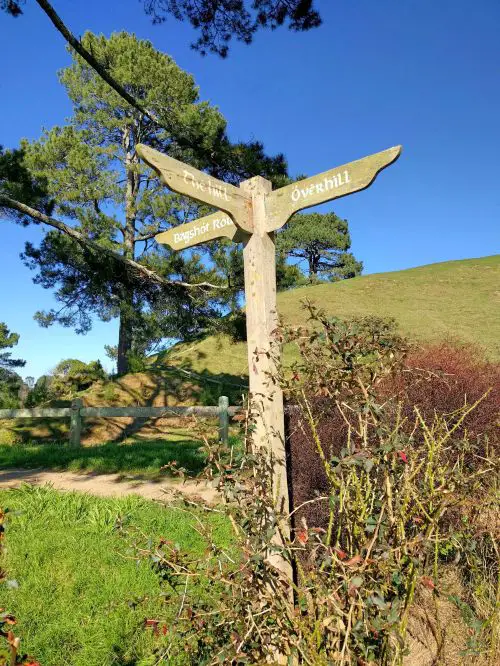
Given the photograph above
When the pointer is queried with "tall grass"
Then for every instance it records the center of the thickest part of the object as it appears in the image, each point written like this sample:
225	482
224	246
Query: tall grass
81	596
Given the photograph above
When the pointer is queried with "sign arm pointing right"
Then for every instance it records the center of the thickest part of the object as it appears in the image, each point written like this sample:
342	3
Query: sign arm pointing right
332	184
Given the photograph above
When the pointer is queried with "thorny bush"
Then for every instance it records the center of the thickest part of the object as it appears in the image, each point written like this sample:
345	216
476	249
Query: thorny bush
392	483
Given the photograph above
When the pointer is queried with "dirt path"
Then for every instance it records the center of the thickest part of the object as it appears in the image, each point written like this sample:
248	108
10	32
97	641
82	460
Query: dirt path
107	485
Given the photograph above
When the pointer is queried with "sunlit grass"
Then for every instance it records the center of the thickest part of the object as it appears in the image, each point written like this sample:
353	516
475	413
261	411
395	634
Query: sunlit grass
139	458
453	299
81	597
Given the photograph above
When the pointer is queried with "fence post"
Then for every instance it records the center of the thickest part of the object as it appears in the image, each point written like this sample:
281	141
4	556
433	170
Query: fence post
223	419
75	428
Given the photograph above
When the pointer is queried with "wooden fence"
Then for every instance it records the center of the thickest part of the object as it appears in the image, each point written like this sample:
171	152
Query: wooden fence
77	412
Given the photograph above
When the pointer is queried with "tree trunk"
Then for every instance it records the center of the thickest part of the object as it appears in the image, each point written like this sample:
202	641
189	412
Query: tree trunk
313	260
125	334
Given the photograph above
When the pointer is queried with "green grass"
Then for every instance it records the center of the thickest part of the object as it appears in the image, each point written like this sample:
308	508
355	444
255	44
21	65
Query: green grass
77	599
454	299
139	459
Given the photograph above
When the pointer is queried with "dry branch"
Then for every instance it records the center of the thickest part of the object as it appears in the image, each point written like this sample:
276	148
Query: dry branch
128	264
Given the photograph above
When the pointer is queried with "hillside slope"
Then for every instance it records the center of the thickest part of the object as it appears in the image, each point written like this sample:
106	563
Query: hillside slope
456	299
453	299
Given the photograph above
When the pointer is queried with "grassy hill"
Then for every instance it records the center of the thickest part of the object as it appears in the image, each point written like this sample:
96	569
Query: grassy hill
453	299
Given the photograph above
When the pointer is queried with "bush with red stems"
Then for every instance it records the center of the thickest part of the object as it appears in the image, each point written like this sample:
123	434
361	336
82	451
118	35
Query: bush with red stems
438	380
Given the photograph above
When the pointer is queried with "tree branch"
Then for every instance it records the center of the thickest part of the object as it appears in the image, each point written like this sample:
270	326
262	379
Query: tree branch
95	64
216	157
147	237
128	264
101	71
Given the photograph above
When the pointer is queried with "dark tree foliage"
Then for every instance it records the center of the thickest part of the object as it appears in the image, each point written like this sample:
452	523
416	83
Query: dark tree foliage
40	392
218	21
89	286
18	183
10	381
12	7
321	241
7	340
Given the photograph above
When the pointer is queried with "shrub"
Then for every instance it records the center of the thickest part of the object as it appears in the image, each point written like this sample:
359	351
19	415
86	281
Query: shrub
337	362
443	378
387	491
439	380
71	376
137	362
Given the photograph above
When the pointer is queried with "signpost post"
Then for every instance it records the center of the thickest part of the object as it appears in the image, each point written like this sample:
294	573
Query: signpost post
251	214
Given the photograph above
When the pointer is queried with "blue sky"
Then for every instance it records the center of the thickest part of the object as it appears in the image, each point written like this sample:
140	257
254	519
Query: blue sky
420	73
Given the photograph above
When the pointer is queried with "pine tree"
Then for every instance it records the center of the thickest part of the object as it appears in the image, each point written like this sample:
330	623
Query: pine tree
96	182
322	241
10	381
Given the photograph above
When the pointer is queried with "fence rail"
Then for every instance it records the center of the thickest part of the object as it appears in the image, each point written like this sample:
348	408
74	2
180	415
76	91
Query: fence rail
35	413
77	412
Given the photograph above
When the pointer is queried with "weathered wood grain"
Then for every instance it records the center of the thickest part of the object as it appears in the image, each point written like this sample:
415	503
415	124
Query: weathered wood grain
217	225
224	419
36	413
148	412
97	412
187	180
332	184
75	426
266	396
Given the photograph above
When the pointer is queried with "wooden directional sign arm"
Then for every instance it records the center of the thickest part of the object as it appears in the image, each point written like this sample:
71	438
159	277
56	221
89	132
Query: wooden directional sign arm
202	230
187	180
333	184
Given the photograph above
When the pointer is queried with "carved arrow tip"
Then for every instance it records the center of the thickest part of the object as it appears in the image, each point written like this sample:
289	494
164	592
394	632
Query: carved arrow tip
395	151
388	156
154	159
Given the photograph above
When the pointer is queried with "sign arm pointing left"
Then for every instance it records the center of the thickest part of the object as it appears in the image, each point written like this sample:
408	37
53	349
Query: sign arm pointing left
187	180
217	225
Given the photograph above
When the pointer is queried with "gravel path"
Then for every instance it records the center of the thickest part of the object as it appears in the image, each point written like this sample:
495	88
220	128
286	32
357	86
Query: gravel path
107	485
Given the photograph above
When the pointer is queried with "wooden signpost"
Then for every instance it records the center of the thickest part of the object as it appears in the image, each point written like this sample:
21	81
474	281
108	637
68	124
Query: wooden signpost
251	214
